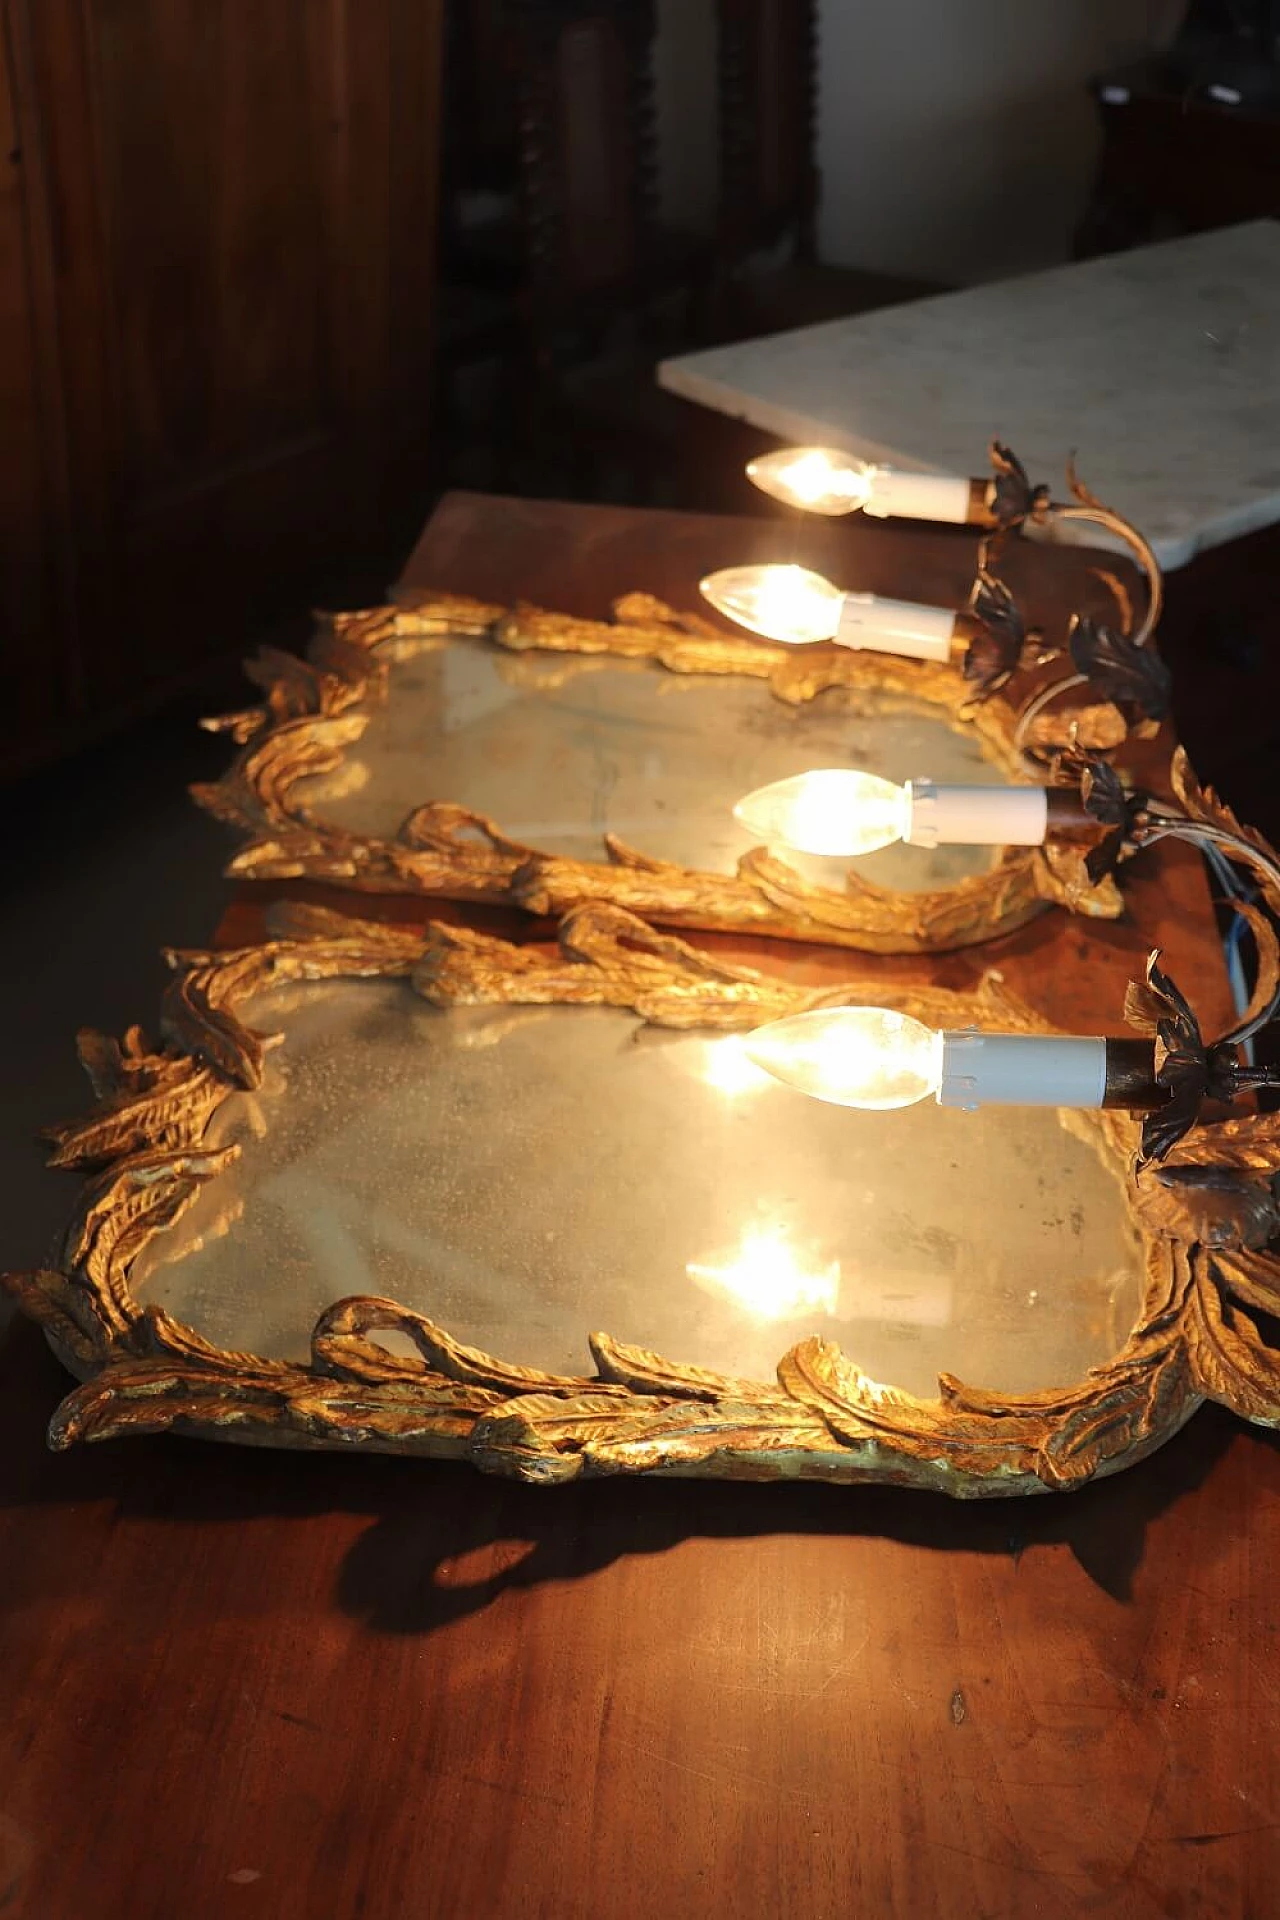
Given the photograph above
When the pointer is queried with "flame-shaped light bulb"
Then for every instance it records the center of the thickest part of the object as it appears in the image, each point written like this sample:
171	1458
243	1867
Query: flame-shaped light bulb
842	812
778	602
798	607
834	811
825	480
853	1056
817	479
869	1057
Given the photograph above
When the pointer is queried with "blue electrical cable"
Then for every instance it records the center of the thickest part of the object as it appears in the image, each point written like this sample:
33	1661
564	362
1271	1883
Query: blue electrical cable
1234	888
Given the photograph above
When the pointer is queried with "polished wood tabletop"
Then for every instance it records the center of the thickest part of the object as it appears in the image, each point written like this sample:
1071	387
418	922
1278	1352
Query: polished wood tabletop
236	1681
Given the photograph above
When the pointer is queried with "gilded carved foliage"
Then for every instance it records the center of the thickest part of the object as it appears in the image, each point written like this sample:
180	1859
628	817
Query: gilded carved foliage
1208	1217
315	710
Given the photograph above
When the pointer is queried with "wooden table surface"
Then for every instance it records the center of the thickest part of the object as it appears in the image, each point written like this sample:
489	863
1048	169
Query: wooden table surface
242	1682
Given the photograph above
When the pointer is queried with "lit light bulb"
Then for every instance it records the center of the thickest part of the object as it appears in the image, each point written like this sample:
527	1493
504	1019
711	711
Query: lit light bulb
727	1067
778	602
872	1058
853	1056
835	811
816	478
842	812
798	607
824	480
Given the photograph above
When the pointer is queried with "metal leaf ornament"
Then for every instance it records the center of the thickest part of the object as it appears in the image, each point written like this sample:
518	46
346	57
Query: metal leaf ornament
1108	801
1004	645
1013	498
1134	678
1192	1071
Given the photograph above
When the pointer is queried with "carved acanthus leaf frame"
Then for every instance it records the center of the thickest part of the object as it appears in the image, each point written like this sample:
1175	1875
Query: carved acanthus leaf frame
1207	1219
315	709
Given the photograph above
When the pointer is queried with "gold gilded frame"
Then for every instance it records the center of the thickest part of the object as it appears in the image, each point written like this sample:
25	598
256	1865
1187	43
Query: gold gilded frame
315	709
1204	1237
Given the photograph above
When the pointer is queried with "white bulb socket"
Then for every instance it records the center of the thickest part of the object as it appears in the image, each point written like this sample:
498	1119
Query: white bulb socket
869	622
1021	1070
975	816
917	496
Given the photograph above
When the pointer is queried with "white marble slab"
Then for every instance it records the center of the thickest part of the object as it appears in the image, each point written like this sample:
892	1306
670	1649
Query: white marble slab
1160	368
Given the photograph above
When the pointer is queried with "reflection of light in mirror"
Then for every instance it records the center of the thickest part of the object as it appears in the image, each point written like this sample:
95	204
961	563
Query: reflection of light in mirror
768	1281
730	1069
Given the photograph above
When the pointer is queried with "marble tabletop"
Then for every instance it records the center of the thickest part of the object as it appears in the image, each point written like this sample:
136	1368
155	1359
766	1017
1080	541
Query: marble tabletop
1160	368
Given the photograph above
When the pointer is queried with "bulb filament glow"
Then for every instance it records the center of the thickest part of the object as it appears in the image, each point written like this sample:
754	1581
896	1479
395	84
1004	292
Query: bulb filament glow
818	479
844	812
798	607
824	480
876	1059
836	811
779	603
853	1056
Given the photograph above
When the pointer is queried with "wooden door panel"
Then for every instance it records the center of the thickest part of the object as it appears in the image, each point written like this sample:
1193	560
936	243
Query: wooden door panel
215	138
242	199
35	659
192	146
410	156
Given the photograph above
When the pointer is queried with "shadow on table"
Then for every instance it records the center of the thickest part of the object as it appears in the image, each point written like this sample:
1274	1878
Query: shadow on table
533	1535
446	1542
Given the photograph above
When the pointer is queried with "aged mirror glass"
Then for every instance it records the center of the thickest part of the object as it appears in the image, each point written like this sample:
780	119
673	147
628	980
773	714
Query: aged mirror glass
561	751
524	1175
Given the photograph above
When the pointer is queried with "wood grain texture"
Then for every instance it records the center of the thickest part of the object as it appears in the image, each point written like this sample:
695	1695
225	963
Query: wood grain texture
281	1685
221	232
34	639
378	1686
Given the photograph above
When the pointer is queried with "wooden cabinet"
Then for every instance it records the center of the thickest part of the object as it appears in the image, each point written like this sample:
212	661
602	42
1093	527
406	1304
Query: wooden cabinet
217	234
35	658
